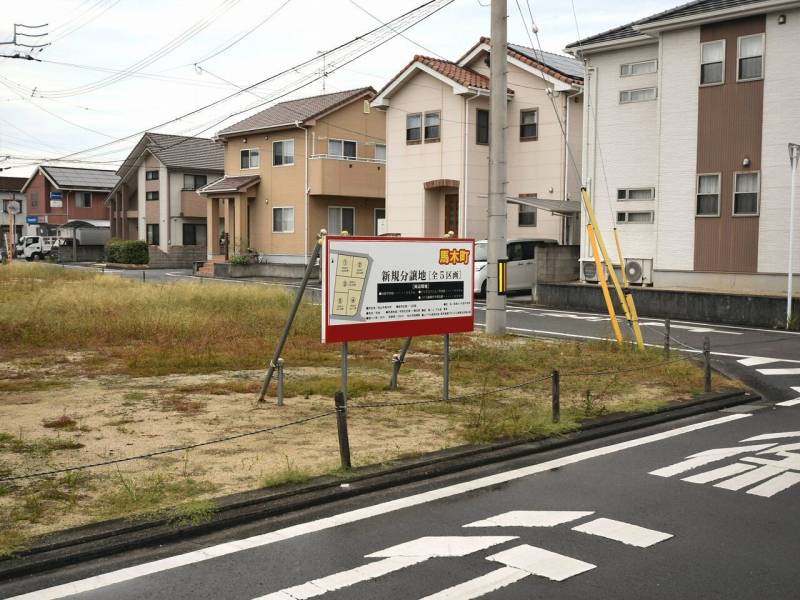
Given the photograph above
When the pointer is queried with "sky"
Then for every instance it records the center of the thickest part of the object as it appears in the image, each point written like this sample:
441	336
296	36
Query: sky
179	55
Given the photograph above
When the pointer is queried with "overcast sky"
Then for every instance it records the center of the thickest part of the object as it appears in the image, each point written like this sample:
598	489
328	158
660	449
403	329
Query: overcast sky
46	110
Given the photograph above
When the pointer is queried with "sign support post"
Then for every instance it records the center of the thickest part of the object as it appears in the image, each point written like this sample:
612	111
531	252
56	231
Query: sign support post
344	373
446	392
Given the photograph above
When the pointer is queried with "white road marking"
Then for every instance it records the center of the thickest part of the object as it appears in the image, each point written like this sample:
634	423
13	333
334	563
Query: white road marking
353	516
629	534
794	402
690	328
775	485
792	371
531	518
447	546
541	562
747	479
480	586
720	473
772	436
707	456
757	360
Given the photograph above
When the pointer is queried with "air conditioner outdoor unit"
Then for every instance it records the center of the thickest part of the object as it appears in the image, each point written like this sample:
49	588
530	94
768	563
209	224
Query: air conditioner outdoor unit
639	271
589	271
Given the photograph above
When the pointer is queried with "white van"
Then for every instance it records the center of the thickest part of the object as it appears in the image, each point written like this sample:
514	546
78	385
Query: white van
521	254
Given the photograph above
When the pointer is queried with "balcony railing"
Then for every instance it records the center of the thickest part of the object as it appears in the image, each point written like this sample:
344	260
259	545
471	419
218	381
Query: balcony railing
378	161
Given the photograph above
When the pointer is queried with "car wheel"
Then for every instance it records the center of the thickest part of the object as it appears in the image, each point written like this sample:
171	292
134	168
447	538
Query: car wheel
37	257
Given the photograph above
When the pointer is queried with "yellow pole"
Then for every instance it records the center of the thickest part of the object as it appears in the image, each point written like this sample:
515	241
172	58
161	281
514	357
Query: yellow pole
604	285
621	258
635	322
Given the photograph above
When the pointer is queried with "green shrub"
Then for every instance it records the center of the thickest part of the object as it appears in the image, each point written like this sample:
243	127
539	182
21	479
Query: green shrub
240	260
129	252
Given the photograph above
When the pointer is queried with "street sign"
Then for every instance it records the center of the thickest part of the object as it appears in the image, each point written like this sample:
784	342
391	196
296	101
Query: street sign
55	196
30	220
386	287
56	200
13	207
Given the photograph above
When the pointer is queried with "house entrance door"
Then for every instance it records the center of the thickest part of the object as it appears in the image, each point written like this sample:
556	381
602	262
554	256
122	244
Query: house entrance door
451	213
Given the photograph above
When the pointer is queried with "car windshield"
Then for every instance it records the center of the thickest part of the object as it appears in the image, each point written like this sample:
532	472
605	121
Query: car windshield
480	251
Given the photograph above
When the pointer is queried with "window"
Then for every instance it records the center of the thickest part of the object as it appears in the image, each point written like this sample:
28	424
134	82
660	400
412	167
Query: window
283	220
528	124
151	195
151	175
521	251
194	182
380	152
282	153
640	95
708	195
342	148
482	126
83	199
712	62
432	126
527	216
152	234
250	159
34	199
194	234
636	194
341	219
638	68
751	57
642	216
745	195
413	128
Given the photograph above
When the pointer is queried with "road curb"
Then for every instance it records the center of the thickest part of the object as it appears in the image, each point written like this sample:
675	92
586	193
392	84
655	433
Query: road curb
113	537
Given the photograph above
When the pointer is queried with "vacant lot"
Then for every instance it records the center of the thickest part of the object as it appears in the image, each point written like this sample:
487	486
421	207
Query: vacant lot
95	368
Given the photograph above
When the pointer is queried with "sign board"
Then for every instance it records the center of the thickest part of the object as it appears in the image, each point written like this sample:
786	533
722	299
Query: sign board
31	220
13	207
386	287
56	200
55	196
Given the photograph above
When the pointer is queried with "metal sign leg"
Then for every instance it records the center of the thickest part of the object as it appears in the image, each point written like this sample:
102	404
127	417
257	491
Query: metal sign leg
344	372
446	391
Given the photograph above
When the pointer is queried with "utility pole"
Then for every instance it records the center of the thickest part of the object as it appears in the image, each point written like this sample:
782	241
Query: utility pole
794	157
495	303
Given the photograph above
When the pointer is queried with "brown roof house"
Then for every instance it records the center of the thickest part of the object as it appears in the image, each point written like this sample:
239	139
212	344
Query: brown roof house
293	169
156	196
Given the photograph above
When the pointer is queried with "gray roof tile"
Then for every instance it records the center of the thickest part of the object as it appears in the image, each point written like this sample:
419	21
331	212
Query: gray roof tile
230	184
184	152
12	184
73	178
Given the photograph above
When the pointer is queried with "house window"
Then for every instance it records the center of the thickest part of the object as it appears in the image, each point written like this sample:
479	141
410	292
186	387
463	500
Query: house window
638	68
83	199
528	125
640	95
34	199
342	148
194	234
341	219
432	126
708	195
527	216
152	234
482	127
151	175
712	62
751	57
151	195
282	153
250	159
194	182
283	219
639	216
413	128
745	195
636	194
380	152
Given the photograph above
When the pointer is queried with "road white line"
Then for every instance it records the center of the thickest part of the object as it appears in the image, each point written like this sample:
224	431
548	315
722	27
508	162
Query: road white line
757	360
779	371
430	547
794	402
353	516
747	479
631	535
772	436
720	473
541	562
531	518
480	586
775	485
707	456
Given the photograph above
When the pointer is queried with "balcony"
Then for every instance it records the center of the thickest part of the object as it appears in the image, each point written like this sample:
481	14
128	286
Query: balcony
353	177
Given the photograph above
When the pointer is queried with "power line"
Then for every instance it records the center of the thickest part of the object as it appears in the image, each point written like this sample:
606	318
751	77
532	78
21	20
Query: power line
405	37
88	20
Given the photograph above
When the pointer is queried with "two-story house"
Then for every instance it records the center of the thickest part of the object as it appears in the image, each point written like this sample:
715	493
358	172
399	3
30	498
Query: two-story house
156	196
56	195
437	133
11	192
688	116
293	169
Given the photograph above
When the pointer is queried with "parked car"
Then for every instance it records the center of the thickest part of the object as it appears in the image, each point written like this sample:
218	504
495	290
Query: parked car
521	254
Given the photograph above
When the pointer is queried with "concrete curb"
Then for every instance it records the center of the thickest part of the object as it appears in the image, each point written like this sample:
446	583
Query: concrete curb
112	537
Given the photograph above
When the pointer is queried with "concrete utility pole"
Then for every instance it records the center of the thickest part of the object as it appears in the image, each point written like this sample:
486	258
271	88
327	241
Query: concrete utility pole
496	304
794	156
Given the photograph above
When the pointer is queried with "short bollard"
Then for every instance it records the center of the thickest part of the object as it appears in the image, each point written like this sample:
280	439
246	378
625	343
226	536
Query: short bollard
341	427
707	363
396	362
143	276
279	390
556	396
666	338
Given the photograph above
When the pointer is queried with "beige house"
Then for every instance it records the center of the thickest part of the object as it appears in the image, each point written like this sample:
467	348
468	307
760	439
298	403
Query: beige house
437	132
293	169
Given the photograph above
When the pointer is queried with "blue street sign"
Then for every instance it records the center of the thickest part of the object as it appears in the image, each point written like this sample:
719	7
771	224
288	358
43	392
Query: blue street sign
31	220
55	195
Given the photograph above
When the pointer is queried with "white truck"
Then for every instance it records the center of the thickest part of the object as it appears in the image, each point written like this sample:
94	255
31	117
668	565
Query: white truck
35	247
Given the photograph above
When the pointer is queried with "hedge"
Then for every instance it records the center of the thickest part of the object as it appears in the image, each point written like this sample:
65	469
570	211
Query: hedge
127	252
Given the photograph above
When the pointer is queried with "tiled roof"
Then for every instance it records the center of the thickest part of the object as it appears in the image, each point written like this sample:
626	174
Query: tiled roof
461	75
183	152
286	114
12	184
73	178
698	7
231	184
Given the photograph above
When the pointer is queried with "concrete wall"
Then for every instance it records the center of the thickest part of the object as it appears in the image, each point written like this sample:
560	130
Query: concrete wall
81	254
557	263
179	257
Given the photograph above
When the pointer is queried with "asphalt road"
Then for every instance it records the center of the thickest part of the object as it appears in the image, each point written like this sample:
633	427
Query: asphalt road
615	518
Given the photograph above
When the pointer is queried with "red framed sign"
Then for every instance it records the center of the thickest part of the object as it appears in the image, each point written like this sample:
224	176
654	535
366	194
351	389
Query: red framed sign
387	287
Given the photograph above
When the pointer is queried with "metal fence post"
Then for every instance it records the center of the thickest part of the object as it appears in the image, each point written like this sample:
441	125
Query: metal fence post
397	362
143	276
707	363
279	390
344	371
666	337
446	383
556	396
341	427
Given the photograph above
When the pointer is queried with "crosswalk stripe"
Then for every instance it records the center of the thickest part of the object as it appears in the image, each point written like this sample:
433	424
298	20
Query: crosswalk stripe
775	485
619	531
792	371
757	360
794	402
480	586
720	473
708	456
531	518
749	478
541	562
